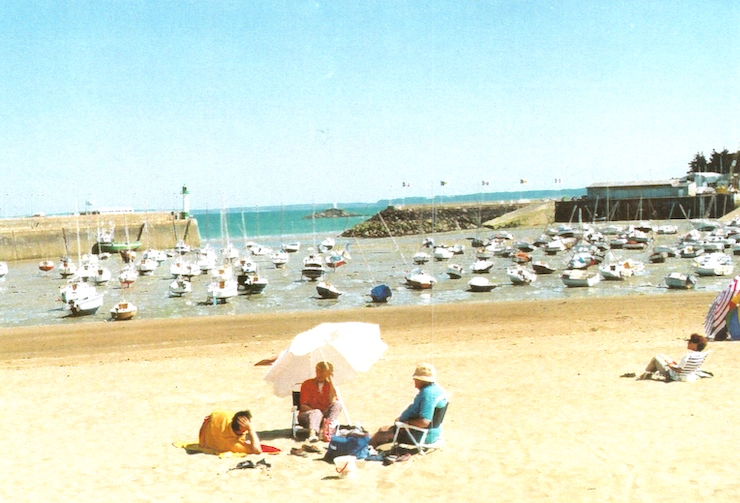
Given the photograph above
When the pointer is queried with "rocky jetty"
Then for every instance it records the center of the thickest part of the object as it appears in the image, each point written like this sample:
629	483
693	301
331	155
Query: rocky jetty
428	219
332	213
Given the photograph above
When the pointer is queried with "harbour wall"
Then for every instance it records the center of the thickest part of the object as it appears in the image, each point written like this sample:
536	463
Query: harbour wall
644	208
51	237
428	219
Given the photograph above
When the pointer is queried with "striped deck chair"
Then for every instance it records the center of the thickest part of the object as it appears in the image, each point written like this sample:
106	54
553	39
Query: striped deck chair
688	372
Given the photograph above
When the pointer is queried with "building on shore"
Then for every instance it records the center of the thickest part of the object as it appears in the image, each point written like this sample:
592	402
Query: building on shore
697	195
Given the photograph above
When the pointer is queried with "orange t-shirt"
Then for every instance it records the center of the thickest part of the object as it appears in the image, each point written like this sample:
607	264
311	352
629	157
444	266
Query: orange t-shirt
315	399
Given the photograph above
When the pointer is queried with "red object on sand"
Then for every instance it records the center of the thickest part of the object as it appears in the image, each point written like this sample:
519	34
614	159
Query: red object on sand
268	449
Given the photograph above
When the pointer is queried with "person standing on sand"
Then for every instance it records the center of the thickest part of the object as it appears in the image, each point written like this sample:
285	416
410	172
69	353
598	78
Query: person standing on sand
420	412
224	431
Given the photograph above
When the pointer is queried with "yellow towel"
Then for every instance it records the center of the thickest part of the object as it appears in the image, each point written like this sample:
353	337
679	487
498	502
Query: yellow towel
193	447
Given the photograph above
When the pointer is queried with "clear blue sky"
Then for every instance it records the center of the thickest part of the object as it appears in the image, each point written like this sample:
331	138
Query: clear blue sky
265	102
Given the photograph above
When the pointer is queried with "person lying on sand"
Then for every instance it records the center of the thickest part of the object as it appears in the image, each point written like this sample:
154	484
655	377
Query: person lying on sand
686	369
225	431
420	412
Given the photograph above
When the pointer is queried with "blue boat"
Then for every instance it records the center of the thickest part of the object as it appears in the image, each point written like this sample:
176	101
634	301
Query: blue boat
381	293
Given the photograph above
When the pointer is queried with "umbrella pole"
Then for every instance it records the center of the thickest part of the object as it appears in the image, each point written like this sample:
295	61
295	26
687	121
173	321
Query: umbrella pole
344	409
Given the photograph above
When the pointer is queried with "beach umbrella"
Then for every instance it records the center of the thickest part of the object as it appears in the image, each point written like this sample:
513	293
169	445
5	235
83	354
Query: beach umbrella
350	347
715	323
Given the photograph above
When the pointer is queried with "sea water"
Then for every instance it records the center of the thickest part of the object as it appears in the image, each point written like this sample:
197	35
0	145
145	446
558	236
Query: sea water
29	296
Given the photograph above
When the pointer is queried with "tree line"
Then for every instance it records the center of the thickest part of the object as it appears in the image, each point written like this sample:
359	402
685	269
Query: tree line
719	162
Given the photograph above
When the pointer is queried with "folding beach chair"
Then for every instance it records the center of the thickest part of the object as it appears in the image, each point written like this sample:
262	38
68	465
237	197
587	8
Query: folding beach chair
294	426
690	369
421	444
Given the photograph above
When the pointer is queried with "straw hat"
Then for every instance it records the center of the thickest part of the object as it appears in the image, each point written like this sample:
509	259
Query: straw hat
425	372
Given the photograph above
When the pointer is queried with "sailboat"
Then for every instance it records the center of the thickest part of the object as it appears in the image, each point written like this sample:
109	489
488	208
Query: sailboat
180	286
181	247
86	305
81	300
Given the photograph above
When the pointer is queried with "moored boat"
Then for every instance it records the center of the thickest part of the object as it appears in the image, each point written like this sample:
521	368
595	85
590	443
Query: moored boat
292	247
280	258
442	253
714	264
421	258
579	278
480	284
313	267
85	305
420	280
180	286
541	267
219	291
102	275
46	265
381	293
455	271
123	310
481	266
327	291
680	281
251	284
520	275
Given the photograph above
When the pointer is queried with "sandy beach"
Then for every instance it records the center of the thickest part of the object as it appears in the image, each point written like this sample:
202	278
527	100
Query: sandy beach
539	411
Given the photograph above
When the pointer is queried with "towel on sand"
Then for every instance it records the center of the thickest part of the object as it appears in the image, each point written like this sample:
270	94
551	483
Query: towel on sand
194	447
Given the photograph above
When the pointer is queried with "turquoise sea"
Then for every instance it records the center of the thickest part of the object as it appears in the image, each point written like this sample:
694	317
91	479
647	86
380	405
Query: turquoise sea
273	226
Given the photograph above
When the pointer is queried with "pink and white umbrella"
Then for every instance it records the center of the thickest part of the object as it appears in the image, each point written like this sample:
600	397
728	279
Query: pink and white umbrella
716	319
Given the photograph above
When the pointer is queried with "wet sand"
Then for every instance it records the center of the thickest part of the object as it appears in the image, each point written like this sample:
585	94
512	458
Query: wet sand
539	411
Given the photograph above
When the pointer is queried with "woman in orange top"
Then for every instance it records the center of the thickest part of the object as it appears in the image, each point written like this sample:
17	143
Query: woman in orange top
319	403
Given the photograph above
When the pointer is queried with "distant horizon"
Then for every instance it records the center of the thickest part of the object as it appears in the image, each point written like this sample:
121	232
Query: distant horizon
441	199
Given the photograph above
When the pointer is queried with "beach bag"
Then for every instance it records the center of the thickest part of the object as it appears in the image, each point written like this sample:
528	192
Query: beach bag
354	444
328	430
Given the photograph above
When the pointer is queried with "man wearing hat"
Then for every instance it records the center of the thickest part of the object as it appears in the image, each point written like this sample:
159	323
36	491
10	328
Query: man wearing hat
421	410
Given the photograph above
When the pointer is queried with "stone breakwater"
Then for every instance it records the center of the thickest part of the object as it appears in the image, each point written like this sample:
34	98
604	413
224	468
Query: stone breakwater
428	219
55	236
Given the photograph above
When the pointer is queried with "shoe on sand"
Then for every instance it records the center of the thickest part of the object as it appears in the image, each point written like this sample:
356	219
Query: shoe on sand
297	451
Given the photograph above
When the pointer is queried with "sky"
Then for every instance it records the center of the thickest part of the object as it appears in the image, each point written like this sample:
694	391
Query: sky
257	103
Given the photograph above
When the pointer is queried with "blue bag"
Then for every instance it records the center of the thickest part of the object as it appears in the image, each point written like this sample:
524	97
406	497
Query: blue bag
348	445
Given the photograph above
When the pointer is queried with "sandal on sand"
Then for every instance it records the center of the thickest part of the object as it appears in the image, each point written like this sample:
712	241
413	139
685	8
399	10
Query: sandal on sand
311	448
297	451
244	464
263	462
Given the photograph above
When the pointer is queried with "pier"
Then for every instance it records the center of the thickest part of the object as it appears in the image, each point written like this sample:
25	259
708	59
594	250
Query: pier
50	237
644	208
